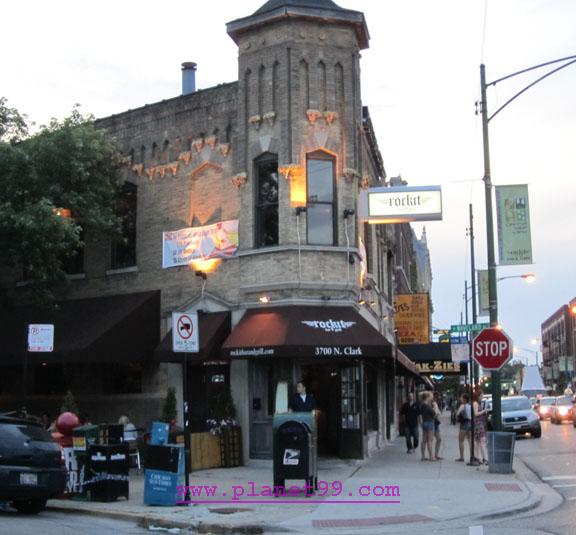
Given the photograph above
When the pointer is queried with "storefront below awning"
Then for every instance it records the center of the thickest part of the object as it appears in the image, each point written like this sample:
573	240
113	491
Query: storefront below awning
213	328
118	328
305	332
434	358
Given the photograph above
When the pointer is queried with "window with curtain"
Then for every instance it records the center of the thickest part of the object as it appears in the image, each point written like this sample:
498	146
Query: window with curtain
124	248
321	203
266	172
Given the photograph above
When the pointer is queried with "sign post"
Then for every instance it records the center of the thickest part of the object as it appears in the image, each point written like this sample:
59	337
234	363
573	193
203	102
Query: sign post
492	348
39	339
185	340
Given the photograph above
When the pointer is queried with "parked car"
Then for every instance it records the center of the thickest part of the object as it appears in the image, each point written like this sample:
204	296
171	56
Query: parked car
545	406
31	464
518	416
563	410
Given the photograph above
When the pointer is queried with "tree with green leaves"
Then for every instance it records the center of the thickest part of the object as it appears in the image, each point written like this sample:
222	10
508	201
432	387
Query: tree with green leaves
169	410
69	404
56	186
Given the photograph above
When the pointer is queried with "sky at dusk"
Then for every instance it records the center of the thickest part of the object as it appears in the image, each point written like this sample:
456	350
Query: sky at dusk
420	79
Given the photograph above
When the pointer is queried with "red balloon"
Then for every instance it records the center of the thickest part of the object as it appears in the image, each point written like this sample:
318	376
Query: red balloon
66	422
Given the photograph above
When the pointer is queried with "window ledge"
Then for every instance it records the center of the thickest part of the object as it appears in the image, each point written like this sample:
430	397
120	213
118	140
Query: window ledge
293	247
121	271
75	276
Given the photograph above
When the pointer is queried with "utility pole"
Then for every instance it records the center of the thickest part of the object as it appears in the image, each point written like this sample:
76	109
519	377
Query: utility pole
492	288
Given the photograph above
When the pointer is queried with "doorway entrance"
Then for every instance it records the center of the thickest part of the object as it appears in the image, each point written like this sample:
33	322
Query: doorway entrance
323	382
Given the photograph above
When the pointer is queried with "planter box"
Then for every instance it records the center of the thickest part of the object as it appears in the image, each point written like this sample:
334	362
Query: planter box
231	446
205	451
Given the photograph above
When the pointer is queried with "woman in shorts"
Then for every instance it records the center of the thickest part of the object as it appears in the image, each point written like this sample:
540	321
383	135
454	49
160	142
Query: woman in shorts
464	417
428	415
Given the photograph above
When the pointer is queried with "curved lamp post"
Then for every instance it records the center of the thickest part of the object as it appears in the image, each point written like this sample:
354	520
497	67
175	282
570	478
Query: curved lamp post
492	292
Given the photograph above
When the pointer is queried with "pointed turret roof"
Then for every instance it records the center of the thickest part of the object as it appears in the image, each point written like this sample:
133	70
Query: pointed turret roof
319	4
324	10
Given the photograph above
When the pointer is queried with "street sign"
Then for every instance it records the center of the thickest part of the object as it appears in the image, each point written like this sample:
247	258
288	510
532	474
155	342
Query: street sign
492	348
470	327
185	332
40	338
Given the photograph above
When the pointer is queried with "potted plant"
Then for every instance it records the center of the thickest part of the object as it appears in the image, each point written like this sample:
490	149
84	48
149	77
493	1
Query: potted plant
224	424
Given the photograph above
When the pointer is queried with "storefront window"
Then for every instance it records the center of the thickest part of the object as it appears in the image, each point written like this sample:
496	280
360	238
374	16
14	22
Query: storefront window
350	398
320	195
266	170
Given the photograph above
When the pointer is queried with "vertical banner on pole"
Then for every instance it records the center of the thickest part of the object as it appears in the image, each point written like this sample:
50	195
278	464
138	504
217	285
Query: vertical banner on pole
483	295
513	214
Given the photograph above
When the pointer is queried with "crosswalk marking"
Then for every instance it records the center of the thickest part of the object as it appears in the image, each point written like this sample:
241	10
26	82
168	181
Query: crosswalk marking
564	486
572	498
548	478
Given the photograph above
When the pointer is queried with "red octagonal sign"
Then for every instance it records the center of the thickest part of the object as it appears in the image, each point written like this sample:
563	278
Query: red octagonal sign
492	348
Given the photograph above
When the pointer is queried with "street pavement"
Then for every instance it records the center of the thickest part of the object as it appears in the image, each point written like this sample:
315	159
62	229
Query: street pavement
429	495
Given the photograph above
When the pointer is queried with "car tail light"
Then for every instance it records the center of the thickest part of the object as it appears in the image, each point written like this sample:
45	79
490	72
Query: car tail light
563	411
544	409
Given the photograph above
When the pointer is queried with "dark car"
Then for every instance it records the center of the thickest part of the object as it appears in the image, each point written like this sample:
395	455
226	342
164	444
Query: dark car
31	464
518	416
563	410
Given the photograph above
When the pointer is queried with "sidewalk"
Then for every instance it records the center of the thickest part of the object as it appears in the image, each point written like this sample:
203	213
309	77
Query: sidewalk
426	492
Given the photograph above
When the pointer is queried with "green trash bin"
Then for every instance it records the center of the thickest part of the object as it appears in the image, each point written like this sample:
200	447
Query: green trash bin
500	452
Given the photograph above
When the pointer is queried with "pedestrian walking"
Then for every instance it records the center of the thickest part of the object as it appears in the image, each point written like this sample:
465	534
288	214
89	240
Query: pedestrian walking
464	418
427	415
437	432
410	411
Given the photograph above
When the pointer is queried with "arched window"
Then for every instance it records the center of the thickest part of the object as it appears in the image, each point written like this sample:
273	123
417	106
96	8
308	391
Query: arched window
321	199
266	173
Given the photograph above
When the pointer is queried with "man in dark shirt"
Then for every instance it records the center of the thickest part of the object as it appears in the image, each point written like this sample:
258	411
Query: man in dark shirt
302	402
410	410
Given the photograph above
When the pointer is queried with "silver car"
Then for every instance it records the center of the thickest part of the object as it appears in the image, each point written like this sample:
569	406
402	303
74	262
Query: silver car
519	417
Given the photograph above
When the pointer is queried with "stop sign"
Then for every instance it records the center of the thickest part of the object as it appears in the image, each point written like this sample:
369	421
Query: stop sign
492	348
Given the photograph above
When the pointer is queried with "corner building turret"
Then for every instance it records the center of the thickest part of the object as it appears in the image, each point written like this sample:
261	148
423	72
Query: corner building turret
299	141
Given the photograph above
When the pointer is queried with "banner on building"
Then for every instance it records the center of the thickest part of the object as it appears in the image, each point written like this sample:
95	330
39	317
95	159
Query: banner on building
412	318
180	247
513	214
483	294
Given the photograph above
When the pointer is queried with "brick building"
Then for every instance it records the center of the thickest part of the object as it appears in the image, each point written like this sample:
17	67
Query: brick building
270	168
558	348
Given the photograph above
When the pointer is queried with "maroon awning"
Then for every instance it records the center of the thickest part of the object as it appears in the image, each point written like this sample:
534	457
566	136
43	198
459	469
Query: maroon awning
406	363
213	328
305	332
115	328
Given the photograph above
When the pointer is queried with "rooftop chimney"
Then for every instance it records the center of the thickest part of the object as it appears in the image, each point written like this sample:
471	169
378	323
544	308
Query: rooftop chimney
188	77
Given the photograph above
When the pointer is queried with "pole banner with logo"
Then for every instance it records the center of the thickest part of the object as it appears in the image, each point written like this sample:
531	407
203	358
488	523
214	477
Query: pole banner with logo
483	295
412	318
180	247
513	214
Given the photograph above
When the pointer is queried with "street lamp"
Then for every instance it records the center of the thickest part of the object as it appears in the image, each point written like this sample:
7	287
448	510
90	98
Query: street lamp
528	277
535	353
492	281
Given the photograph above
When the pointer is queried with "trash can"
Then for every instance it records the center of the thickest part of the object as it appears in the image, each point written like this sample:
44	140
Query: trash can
295	450
106	474
500	452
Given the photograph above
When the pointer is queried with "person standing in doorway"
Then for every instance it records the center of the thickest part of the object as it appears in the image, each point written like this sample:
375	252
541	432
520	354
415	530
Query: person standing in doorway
410	411
302	401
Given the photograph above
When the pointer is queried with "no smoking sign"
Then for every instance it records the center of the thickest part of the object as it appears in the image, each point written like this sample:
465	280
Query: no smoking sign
185	332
